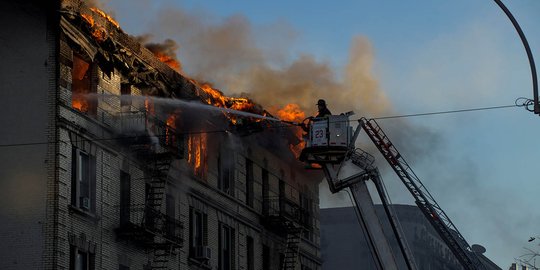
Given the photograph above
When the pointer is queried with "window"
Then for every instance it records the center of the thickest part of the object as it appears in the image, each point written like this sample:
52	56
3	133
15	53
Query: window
306	215
125	197
250	253
249	182
197	154
198	233
125	99
81	260
265	183
226	247
83	173
81	86
123	267
226	173
265	191
266	257
170	212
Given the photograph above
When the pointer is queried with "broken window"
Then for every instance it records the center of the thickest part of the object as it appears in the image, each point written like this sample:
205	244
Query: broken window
197	156
81	86
125	98
226	172
83	188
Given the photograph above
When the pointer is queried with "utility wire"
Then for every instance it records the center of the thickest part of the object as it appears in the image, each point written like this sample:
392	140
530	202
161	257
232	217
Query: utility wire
520	102
446	112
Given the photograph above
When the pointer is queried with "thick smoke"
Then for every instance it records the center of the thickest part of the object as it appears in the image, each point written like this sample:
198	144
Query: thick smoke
228	54
165	51
100	4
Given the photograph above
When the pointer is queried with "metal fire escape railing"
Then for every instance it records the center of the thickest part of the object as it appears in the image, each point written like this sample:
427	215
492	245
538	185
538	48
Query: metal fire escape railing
142	224
155	145
159	233
289	219
427	204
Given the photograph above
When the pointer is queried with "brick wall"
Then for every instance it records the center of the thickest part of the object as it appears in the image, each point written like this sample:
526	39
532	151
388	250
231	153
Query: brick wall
62	225
27	117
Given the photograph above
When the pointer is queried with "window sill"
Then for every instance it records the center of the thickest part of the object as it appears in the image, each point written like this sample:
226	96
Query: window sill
87	215
199	263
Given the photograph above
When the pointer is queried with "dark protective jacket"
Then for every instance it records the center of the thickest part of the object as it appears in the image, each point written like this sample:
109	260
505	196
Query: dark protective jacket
323	112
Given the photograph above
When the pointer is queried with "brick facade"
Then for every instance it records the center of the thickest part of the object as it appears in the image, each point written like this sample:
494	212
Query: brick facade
90	225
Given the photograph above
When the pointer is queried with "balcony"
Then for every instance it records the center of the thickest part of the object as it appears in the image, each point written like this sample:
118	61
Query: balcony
149	228
144	133
281	213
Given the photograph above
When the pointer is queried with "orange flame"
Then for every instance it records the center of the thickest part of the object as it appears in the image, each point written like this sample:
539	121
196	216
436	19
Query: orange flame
106	16
216	97
197	154
79	103
170	131
89	19
99	33
171	62
293	113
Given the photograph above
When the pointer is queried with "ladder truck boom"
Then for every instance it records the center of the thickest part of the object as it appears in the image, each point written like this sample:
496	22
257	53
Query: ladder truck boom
425	201
331	144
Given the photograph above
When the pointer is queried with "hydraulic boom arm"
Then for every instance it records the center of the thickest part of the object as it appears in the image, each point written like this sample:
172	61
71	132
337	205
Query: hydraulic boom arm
427	204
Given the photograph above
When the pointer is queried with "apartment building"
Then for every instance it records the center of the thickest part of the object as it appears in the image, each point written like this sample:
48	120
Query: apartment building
109	161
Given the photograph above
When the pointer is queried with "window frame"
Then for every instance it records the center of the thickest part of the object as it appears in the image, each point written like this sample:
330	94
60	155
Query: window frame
83	175
74	257
250	253
198	230
125	197
226	247
83	86
250	179
225	165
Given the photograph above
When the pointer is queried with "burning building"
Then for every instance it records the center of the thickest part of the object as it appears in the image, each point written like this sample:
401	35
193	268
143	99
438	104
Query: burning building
116	164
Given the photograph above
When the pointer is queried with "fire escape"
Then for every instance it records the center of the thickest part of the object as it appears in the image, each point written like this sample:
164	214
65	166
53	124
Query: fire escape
288	219
155	146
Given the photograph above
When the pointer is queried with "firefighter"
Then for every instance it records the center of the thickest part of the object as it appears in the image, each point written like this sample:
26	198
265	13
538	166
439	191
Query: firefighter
323	110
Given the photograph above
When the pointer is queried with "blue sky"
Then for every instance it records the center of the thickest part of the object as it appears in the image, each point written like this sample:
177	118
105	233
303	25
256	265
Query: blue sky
427	56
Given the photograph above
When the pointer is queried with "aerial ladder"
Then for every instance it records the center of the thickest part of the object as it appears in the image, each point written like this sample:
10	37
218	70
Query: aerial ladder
331	144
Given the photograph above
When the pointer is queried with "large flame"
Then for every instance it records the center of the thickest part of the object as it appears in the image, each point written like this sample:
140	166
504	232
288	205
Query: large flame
293	113
216	98
197	154
79	103
170	61
98	31
81	85
106	16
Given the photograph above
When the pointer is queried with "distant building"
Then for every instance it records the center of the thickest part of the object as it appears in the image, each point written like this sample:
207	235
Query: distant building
89	180
516	266
343	244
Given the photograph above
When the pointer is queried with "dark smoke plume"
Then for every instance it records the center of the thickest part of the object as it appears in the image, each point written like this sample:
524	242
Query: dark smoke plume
165	51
